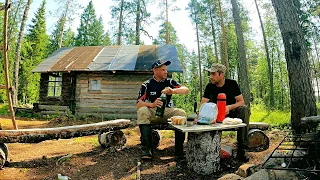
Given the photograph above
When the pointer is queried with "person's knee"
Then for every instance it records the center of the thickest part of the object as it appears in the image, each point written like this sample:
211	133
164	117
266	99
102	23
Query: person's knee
180	112
143	115
243	113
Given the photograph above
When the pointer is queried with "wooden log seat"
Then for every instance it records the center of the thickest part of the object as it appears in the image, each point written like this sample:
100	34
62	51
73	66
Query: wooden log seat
66	132
259	125
3	154
115	139
257	140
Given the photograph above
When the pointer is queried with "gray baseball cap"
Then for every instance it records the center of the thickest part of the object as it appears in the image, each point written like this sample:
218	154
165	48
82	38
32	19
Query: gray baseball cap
217	67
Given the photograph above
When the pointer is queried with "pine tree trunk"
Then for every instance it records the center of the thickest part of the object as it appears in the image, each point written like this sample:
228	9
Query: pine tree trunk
268	58
138	23
64	18
18	52
167	21
224	57
213	34
243	72
120	23
203	152
301	90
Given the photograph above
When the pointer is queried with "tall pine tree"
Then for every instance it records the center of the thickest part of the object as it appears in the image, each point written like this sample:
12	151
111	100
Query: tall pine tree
33	52
90	31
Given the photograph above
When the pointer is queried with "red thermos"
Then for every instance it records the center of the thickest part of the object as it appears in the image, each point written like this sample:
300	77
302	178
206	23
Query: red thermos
221	103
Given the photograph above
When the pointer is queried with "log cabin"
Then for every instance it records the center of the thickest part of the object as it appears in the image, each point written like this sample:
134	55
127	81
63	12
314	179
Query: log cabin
101	81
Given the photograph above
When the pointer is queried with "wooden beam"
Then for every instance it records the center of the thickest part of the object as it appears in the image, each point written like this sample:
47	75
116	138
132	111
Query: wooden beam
5	61
66	132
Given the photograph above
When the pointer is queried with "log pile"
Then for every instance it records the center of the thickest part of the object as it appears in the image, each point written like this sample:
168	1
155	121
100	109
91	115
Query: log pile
66	132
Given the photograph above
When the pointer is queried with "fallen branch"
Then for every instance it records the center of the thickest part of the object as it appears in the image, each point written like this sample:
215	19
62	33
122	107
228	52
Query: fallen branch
66	132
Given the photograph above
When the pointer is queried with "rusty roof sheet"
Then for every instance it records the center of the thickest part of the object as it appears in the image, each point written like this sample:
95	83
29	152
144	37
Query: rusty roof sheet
110	58
77	59
46	65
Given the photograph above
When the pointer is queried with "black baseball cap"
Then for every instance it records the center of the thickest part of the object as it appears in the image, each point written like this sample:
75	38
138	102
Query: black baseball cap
159	63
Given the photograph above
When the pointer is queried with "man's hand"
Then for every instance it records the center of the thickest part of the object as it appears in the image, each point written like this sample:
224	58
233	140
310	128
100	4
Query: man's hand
228	109
167	90
157	103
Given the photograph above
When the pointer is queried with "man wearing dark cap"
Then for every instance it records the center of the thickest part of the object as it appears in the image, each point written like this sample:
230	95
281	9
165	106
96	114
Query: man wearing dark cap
148	101
235	103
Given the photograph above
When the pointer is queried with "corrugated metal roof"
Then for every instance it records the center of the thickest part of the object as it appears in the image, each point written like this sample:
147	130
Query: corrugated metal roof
110	58
46	65
104	59
77	59
169	53
125	59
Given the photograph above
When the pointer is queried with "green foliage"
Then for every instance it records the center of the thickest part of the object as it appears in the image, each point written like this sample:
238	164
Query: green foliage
259	113
91	30
4	109
33	51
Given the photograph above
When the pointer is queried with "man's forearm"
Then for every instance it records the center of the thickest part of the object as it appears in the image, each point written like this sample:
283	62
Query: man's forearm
181	90
236	105
142	103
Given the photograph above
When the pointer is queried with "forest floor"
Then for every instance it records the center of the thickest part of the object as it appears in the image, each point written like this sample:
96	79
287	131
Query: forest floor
84	158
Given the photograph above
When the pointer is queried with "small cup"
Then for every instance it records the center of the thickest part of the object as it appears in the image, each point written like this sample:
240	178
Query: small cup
190	122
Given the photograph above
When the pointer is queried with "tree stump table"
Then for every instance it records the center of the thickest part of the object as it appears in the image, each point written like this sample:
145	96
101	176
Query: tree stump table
204	145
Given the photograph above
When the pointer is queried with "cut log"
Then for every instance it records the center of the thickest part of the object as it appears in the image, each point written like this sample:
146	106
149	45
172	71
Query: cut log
259	125
203	152
67	132
3	154
257	140
115	139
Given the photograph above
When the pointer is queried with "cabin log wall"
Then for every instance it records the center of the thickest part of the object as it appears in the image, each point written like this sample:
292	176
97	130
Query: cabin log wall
116	99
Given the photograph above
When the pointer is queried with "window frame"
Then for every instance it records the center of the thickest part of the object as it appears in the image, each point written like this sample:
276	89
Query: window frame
91	86
57	83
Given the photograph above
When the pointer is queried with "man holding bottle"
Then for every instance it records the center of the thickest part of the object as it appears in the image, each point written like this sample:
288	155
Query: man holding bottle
148	102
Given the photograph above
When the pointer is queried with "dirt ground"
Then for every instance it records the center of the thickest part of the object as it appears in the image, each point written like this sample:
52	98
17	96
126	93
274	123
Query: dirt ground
83	158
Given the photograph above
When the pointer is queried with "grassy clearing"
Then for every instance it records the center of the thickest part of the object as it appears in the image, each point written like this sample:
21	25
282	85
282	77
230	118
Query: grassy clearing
274	118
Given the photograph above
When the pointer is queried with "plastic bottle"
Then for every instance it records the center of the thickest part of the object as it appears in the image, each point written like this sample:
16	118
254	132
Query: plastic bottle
160	111
221	102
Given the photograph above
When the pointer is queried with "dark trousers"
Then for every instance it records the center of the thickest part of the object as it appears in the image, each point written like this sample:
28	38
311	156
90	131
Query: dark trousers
243	113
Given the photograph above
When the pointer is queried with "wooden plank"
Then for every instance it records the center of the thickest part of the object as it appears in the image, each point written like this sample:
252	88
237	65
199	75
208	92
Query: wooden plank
133	96
107	110
66	132
111	91
107	115
99	102
92	105
202	128
52	112
53	107
122	82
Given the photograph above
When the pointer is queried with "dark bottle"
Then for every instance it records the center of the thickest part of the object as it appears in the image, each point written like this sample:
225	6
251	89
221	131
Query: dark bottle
160	111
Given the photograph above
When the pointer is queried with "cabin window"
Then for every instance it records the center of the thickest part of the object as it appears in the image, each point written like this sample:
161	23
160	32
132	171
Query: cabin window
95	85
55	86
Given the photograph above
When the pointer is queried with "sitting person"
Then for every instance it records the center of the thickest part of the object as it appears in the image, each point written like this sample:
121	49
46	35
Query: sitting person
235	103
149	100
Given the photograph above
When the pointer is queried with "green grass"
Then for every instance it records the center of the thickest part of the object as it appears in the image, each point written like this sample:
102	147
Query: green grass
274	118
4	109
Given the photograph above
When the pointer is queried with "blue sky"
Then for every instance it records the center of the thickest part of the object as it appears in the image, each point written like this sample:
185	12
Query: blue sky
180	20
